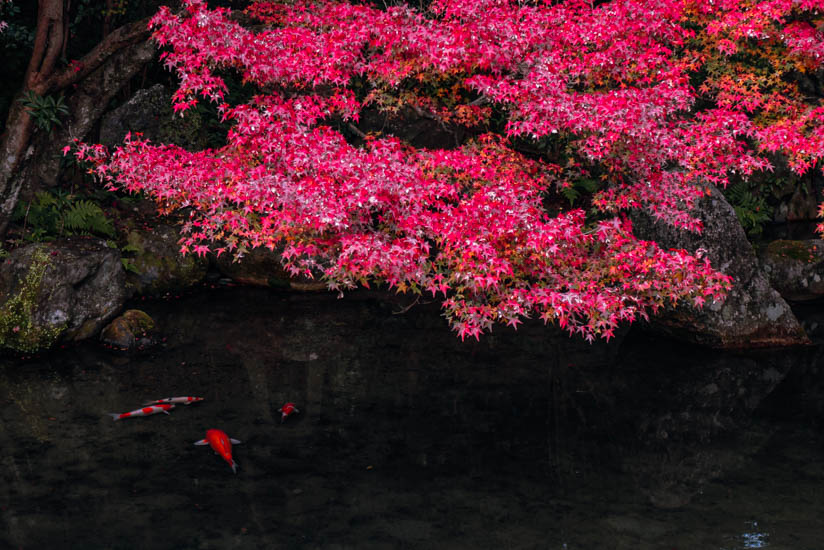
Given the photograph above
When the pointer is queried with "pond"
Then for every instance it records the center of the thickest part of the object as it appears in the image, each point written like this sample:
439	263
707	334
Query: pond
406	437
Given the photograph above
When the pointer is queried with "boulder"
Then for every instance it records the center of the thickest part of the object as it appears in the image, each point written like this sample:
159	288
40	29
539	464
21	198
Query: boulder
799	206
129	331
141	113
796	268
262	267
754	314
58	291
156	265
149	112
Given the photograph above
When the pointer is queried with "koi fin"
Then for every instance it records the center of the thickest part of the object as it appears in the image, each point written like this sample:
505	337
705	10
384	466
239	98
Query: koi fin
155	402
201	442
235	441
234	466
115	416
164	411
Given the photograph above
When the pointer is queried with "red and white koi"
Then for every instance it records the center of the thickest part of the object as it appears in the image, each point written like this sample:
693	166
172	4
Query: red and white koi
221	444
287	410
145	411
177	400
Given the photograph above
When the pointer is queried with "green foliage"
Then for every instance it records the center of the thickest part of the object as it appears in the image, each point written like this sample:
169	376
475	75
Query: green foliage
18	331
86	217
750	203
802	251
46	110
50	215
583	186
128	262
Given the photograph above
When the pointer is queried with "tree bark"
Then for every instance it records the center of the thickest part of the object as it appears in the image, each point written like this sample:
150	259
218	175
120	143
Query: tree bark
26	161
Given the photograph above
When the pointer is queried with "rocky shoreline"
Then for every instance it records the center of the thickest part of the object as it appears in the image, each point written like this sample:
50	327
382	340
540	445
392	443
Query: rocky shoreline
71	289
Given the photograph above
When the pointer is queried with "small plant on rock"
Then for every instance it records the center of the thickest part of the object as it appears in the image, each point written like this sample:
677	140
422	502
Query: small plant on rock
58	214
18	331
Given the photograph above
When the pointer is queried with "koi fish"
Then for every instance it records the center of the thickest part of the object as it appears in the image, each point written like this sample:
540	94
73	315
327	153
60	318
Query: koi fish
179	400
287	410
145	411
221	444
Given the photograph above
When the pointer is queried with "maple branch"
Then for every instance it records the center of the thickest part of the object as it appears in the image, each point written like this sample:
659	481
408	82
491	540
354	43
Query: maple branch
480	101
406	308
113	42
356	130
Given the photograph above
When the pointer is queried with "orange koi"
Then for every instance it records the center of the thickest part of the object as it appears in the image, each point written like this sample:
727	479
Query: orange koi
287	410
145	411
177	400
221	444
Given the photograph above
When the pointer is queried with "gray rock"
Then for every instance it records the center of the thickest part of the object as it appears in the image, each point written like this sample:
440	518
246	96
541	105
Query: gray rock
142	113
58	291
796	268
149	112
157	264
754	314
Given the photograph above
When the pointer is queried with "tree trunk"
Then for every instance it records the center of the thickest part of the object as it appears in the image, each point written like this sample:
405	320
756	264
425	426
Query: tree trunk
27	162
86	106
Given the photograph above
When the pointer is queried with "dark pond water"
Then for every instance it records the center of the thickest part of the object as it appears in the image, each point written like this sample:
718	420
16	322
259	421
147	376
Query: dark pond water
406	437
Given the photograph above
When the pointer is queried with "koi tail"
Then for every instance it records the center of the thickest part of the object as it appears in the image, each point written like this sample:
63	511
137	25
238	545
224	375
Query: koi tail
115	416
234	466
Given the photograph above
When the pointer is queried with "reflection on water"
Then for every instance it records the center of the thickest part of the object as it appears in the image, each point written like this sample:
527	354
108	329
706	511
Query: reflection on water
406	438
753	537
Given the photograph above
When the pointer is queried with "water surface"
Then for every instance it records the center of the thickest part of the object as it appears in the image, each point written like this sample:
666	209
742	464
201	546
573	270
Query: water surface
407	438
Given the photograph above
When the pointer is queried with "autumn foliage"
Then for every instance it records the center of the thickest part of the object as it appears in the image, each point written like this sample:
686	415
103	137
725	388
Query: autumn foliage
3	24
646	101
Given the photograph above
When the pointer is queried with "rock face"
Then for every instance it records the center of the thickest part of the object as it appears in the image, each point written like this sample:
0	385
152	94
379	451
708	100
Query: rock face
149	112
140	114
262	267
796	268
55	291
157	265
754	314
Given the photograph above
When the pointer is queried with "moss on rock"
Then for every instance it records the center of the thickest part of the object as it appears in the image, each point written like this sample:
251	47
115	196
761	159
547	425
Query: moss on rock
804	251
125	330
18	330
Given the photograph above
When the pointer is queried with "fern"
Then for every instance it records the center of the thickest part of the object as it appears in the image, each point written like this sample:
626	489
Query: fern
41	215
752	209
50	215
84	217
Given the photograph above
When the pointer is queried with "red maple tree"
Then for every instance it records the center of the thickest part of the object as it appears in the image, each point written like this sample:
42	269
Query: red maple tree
645	100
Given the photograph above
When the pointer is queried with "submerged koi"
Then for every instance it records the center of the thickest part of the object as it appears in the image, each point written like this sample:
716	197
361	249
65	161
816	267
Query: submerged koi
179	400
287	410
145	411
221	444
